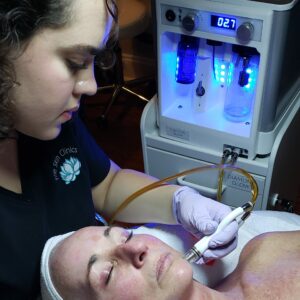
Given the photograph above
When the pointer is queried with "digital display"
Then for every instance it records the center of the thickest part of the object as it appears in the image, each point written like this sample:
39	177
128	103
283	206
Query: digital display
223	22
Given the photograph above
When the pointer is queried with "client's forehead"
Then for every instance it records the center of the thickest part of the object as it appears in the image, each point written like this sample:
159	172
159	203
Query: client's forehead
89	231
87	235
82	238
92	236
73	252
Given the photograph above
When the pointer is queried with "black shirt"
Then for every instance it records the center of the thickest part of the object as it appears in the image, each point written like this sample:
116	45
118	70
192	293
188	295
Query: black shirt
56	178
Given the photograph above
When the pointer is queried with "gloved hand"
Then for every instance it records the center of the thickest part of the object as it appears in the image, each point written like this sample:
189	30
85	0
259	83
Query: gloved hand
201	216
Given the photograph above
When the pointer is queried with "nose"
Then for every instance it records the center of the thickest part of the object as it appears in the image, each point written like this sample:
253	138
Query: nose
86	83
134	252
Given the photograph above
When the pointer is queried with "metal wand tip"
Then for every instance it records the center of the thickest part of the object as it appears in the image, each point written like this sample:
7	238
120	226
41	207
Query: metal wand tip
191	256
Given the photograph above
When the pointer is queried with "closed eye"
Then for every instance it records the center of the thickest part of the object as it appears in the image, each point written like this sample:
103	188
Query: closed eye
114	262
110	273
129	236
73	66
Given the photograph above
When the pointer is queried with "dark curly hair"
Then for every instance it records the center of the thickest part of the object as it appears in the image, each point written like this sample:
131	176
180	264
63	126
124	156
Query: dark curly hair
20	20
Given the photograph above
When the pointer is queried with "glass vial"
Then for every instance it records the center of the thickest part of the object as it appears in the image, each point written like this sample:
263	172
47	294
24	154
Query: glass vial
187	51
240	93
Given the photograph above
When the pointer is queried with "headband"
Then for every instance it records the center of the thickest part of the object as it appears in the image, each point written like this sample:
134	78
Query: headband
48	289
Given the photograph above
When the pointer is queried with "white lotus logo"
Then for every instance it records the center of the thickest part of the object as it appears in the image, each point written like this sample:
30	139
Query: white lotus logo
70	170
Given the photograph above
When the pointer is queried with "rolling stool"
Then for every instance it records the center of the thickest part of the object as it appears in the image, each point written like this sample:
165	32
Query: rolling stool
134	19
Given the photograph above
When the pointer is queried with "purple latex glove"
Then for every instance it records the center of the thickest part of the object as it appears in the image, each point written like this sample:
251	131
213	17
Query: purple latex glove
201	216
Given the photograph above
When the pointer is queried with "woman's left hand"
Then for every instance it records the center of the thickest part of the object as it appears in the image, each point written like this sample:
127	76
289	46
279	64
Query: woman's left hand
201	216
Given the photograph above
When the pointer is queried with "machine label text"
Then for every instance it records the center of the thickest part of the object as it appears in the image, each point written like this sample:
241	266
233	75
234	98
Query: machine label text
238	182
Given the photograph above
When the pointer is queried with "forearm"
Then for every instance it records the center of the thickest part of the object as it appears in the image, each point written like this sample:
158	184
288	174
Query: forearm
152	206
197	214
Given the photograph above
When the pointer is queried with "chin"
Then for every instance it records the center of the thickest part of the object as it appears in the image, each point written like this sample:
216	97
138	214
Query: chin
183	275
51	134
46	135
183	271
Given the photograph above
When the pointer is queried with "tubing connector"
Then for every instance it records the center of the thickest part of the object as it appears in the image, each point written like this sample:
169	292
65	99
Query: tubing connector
235	153
247	207
226	154
245	216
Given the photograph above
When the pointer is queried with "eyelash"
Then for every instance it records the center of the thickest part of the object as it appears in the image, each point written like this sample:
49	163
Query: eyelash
73	66
114	262
129	236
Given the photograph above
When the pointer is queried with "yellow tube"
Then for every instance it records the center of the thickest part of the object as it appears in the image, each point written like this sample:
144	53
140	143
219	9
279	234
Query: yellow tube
220	179
232	162
253	184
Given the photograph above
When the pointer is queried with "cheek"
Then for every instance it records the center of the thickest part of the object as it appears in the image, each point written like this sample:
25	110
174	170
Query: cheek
183	273
54	79
132	287
44	89
46	75
178	282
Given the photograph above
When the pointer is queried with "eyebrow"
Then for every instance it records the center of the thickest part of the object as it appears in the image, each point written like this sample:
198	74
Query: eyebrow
91	261
83	49
107	231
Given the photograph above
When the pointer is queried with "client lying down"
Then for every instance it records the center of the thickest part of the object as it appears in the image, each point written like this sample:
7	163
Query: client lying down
114	263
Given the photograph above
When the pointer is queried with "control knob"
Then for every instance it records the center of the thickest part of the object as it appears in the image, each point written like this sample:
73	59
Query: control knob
170	15
245	32
190	22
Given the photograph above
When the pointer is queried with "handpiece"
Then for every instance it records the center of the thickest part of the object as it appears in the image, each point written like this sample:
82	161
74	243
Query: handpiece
195	253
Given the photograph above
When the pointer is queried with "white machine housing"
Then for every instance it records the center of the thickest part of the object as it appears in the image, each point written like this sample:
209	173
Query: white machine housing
182	130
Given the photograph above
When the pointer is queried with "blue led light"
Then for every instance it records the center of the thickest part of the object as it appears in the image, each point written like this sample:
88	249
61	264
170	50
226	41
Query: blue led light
223	71
251	81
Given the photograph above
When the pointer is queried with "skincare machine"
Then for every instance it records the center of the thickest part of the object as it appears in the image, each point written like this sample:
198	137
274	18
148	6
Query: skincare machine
228	92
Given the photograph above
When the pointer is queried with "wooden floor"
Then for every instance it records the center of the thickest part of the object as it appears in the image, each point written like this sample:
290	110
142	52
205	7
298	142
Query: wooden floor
120	137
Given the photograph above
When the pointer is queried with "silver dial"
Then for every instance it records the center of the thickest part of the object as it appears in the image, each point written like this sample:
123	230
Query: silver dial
190	22
245	32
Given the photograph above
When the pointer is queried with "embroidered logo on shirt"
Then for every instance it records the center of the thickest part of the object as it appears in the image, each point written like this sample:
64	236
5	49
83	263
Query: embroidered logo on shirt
66	165
70	170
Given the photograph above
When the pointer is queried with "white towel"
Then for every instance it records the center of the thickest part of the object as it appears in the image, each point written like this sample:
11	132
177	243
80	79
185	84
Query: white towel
48	290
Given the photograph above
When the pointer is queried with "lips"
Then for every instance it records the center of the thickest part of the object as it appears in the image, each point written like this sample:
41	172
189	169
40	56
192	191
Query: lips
163	265
72	110
67	114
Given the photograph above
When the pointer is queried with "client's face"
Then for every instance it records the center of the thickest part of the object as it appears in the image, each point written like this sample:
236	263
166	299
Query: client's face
111	263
